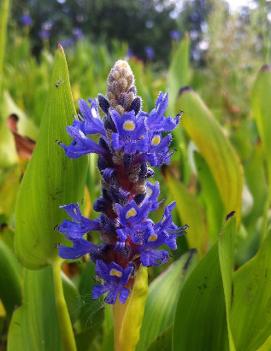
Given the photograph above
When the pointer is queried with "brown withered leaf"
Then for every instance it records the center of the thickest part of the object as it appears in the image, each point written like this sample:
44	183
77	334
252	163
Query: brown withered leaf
24	145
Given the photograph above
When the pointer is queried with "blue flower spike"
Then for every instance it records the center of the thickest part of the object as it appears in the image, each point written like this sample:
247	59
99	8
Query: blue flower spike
130	142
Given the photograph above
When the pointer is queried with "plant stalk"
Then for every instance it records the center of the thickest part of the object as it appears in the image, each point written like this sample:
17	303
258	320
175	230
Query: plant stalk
65	325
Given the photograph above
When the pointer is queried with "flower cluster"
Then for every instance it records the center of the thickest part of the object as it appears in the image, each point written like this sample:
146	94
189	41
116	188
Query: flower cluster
130	142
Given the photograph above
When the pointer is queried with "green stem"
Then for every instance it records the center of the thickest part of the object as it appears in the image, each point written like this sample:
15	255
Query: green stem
62	311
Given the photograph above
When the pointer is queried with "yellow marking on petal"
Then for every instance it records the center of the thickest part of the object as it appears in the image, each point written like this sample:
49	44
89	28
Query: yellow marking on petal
129	125
115	273
156	140
131	213
153	237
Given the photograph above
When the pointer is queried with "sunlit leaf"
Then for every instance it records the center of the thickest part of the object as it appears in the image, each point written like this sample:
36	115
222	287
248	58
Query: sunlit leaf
51	179
216	149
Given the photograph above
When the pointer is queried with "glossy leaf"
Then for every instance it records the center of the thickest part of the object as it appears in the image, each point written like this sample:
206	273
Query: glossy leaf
34	326
161	301
252	300
191	213
72	297
51	179
216	149
200	320
128	317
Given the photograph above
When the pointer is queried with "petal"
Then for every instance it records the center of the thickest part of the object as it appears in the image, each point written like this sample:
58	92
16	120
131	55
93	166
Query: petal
153	257
80	247
98	290
124	293
112	296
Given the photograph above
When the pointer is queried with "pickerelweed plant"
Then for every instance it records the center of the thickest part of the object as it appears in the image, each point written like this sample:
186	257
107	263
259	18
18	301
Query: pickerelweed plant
131	142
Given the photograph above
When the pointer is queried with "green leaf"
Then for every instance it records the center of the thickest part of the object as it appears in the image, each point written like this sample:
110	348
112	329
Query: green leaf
200	320
210	197
10	282
251	309
179	72
226	259
161	301
261	109
34	326
216	149
191	213
51	178
128	317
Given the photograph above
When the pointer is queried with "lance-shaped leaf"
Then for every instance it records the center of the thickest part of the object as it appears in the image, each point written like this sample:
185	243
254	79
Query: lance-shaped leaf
216	149
261	109
200	320
251	309
51	178
128	317
161	303
34	325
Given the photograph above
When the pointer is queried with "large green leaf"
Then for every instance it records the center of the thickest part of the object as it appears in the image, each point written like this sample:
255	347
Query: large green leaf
34	326
251	309
191	213
161	302
216	149
51	179
10	282
200	321
261	109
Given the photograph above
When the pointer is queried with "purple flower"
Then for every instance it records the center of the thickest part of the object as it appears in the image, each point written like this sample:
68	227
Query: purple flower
114	278
130	141
175	35
77	33
149	52
26	20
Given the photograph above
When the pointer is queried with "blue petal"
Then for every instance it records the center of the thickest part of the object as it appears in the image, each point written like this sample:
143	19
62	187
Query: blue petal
153	257
92	123
80	247
124	293
98	290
